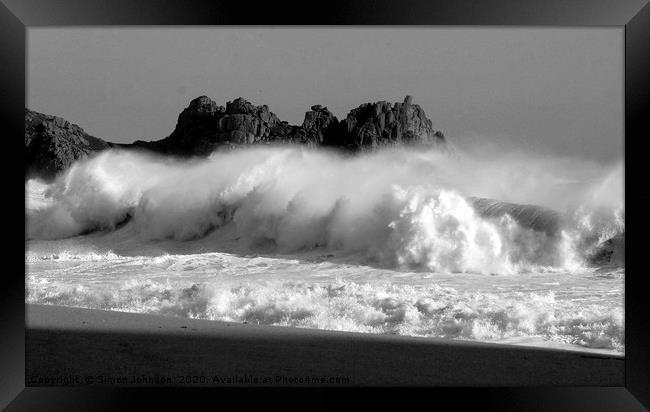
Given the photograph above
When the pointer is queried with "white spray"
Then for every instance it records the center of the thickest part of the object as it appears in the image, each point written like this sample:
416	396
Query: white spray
395	208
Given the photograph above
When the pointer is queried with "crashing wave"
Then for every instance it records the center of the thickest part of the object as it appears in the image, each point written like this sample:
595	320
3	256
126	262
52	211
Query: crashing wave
599	234
394	208
538	218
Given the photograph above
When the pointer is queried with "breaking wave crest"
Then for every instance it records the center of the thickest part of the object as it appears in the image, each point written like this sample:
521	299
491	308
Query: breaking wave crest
394	208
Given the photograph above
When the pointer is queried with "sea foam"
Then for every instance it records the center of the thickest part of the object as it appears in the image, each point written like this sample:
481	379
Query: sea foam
377	307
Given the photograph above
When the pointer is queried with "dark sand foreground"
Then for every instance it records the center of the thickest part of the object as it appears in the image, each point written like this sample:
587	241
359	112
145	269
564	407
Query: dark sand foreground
69	346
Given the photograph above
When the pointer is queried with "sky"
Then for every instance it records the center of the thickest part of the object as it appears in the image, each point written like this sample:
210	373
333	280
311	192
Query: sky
553	91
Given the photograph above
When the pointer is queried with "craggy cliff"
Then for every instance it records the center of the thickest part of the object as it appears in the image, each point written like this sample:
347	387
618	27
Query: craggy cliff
52	144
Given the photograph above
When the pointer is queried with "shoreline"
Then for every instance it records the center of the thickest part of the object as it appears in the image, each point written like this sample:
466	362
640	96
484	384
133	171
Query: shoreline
73	346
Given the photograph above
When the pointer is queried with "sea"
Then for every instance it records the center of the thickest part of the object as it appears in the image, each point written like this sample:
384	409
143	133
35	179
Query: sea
509	248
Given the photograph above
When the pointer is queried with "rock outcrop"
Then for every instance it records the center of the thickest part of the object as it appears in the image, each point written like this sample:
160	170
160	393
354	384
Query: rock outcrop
372	125
318	128
52	144
204	126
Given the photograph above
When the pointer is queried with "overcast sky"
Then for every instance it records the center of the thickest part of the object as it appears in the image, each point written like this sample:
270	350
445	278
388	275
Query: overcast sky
547	90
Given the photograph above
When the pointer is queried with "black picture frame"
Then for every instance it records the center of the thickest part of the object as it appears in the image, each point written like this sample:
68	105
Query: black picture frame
18	15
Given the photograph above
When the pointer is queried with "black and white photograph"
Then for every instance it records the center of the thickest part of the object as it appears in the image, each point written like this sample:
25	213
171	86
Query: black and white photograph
324	206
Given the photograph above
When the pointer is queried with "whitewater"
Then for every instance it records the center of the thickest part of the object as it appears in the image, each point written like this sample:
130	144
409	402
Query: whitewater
447	244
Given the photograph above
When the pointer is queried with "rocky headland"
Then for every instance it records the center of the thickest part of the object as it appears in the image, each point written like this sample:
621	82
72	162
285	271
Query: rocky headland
52	143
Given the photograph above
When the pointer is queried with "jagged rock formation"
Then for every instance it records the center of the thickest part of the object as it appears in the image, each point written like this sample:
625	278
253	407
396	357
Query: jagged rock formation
205	126
319	127
52	144
376	124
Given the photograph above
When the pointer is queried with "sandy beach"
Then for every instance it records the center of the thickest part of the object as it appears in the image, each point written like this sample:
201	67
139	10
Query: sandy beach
71	346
